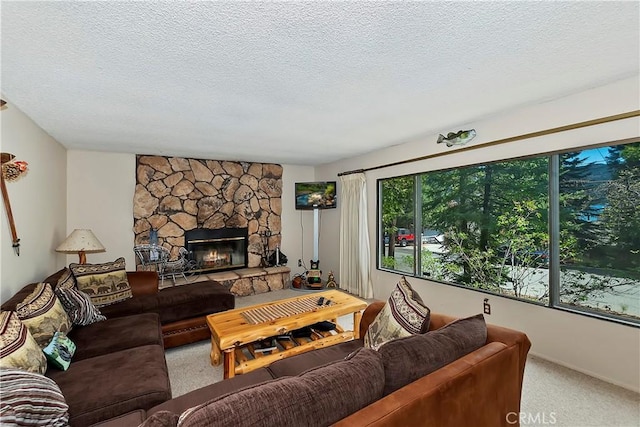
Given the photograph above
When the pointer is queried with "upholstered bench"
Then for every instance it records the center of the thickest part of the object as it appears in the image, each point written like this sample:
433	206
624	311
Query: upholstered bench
183	310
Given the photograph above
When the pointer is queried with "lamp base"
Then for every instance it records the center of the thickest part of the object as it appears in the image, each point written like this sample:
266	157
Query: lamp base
83	257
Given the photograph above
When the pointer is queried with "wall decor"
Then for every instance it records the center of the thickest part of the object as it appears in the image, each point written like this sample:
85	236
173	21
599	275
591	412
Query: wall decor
12	170
459	138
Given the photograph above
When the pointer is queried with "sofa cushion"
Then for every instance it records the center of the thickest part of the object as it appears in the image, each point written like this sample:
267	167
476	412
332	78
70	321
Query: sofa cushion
410	358
105	283
315	398
31	399
161	419
78	306
403	314
136	305
297	364
106	386
59	351
130	419
193	300
43	314
116	334
18	349
180	404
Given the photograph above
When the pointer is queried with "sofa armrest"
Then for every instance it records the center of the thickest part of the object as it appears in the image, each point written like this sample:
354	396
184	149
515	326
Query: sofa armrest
478	389
509	337
143	282
369	315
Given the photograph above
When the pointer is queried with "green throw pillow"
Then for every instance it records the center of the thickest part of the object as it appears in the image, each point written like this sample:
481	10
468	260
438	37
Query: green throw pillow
60	351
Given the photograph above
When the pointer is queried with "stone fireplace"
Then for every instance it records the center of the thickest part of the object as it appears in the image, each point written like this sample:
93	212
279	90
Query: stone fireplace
176	195
217	250
226	214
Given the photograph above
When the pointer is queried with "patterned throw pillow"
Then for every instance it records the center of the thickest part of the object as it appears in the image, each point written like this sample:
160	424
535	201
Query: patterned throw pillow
18	349
79	307
60	351
66	281
403	315
105	284
43	314
31	400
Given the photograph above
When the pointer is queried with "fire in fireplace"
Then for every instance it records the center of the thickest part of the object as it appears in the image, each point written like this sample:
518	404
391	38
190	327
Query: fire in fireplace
217	250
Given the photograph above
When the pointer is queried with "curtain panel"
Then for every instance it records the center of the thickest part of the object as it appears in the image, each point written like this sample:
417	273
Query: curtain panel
355	258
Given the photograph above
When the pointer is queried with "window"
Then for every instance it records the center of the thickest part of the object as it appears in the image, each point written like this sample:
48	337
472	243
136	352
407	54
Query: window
600	228
398	202
491	227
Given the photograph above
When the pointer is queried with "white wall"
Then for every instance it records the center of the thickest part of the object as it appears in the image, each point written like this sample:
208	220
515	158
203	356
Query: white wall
100	197
38	202
600	348
297	226
100	189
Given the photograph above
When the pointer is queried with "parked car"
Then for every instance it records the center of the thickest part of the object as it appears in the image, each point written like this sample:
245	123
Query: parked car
432	237
404	236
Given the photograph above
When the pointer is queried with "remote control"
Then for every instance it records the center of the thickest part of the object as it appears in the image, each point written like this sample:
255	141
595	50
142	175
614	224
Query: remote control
321	301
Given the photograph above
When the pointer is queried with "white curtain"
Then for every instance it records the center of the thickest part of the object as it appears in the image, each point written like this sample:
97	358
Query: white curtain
355	260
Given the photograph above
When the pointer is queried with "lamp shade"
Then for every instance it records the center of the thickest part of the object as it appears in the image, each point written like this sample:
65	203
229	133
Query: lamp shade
81	241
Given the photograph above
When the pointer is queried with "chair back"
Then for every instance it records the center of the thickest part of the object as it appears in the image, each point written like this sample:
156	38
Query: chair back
151	254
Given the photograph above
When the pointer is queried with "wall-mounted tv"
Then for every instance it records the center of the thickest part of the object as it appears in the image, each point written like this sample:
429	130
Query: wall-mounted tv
321	195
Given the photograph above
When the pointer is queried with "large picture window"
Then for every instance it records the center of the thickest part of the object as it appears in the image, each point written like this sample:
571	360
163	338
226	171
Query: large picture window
561	230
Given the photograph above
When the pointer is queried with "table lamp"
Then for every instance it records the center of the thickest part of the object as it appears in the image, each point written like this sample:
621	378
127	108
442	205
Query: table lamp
81	241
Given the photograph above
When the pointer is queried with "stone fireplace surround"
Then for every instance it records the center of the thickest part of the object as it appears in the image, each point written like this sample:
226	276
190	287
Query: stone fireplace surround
175	194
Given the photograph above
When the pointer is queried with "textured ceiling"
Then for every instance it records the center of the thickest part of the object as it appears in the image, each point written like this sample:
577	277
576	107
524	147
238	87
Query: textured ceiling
298	83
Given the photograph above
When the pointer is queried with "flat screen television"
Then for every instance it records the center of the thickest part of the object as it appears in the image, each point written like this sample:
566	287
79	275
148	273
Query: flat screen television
310	195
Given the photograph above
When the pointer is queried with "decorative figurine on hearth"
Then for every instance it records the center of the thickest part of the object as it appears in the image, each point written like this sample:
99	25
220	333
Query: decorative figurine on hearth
314	275
331	282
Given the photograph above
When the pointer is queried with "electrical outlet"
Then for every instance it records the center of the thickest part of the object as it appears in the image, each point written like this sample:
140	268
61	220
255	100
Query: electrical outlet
487	306
299	263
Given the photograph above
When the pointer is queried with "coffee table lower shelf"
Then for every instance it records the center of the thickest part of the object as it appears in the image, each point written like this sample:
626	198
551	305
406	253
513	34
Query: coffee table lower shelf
242	360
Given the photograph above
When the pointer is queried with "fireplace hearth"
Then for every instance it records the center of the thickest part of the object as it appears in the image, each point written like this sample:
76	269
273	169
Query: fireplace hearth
217	250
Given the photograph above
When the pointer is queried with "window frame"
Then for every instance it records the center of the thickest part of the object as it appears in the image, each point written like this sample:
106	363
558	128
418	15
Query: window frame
553	230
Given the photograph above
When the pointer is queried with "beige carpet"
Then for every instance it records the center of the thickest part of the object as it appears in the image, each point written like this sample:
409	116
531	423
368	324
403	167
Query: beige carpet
552	395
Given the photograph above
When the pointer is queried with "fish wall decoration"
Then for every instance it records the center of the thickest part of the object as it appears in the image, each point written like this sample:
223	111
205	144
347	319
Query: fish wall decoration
459	138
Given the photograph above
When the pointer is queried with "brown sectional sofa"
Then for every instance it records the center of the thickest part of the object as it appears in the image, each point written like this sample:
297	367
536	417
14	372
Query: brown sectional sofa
119	365
320	388
182	309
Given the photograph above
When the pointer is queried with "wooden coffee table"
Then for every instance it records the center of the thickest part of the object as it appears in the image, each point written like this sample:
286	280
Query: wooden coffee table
235	331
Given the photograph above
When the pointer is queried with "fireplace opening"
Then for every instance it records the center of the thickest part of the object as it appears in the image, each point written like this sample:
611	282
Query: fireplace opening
217	250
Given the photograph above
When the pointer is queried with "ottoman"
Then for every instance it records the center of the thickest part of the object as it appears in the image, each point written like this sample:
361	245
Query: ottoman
183	310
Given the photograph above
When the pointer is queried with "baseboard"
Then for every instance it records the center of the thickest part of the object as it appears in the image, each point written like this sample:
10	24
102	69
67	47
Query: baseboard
586	372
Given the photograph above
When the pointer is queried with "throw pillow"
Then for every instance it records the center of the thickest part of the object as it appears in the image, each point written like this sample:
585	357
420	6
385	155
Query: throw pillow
403	315
60	351
79	307
314	398
408	359
18	349
43	314
32	399
66	280
105	284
